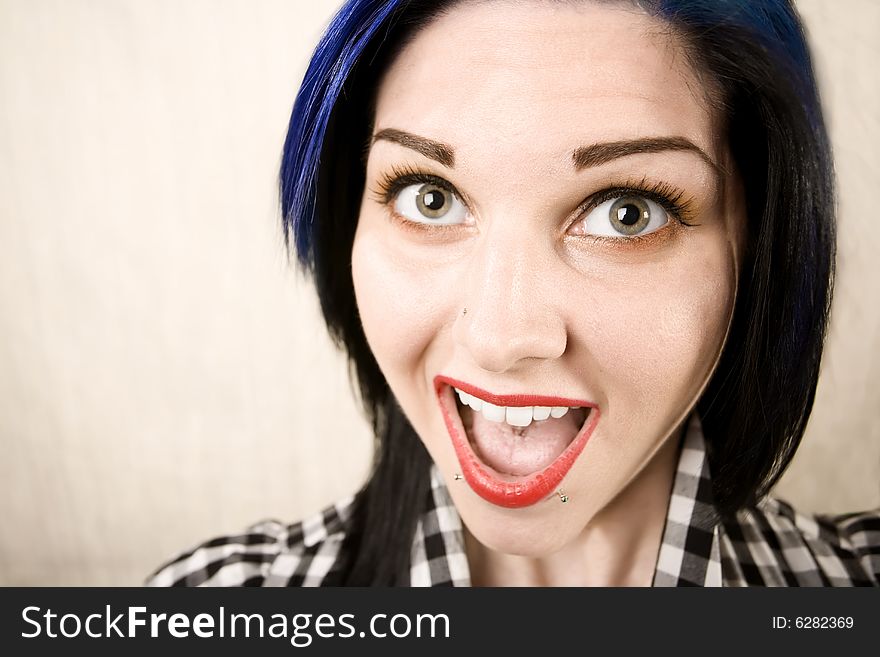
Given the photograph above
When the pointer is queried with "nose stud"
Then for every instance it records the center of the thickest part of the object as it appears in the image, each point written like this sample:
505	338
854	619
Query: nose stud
464	311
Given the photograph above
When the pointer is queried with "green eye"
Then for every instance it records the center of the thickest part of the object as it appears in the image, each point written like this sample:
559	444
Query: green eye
629	215
626	216
429	203
433	202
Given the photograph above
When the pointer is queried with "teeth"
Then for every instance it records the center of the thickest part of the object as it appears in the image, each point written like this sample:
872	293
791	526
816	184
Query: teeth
520	416
493	412
517	416
541	412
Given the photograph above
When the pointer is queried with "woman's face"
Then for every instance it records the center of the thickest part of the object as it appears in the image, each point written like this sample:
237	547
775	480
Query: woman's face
546	224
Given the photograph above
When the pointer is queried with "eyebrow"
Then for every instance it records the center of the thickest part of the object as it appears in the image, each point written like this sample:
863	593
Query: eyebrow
583	157
597	154
435	150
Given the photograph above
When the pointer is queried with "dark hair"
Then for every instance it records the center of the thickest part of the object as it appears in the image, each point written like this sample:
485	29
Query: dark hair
756	406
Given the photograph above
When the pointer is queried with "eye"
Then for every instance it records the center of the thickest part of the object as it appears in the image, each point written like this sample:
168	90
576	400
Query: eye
429	203
626	216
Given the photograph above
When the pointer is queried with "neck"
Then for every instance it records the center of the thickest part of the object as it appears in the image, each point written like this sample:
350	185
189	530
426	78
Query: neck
618	547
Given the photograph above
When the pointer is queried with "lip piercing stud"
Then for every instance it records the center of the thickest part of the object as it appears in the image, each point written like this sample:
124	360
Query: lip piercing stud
458	477
464	311
562	496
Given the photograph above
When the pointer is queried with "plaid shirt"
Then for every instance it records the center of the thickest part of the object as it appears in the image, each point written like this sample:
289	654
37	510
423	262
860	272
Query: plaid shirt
767	545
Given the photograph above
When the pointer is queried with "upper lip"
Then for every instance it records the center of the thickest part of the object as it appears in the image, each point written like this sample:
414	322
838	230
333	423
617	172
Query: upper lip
515	399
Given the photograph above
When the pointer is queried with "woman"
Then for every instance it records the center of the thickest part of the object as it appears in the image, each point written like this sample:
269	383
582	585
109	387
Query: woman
591	250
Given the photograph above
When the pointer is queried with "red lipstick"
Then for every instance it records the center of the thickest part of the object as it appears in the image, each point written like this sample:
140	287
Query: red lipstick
505	490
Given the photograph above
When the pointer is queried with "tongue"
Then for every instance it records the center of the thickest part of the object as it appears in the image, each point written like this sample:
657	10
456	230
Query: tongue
522	450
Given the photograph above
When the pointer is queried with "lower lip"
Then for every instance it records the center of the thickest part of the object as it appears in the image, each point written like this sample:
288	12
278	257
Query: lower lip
512	492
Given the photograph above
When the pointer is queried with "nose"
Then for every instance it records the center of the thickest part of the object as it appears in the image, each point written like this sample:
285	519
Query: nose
511	312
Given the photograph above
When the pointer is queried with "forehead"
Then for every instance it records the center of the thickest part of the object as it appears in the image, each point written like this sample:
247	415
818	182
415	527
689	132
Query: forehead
543	77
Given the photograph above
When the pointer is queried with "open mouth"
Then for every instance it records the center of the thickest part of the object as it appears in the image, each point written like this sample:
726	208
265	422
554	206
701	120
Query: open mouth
514	450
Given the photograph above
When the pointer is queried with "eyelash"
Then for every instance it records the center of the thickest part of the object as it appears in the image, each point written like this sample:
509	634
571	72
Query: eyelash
668	197
399	178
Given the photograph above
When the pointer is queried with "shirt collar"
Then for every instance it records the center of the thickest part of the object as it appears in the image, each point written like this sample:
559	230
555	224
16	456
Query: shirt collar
689	552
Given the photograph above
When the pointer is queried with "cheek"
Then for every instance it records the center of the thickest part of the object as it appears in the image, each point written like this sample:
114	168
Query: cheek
401	304
660	341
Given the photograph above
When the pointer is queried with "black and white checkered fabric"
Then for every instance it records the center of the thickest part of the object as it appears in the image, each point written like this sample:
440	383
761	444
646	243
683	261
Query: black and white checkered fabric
768	545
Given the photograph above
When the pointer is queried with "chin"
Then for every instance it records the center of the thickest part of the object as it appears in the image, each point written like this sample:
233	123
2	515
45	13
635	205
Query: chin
525	538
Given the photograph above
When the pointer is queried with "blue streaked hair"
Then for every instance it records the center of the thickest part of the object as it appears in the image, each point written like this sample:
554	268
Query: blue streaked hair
349	34
754	59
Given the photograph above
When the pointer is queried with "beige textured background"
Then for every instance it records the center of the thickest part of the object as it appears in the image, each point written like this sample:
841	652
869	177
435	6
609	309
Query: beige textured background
164	376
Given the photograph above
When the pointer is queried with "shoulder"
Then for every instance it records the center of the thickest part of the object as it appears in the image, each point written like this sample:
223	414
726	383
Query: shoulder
268	553
772	544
